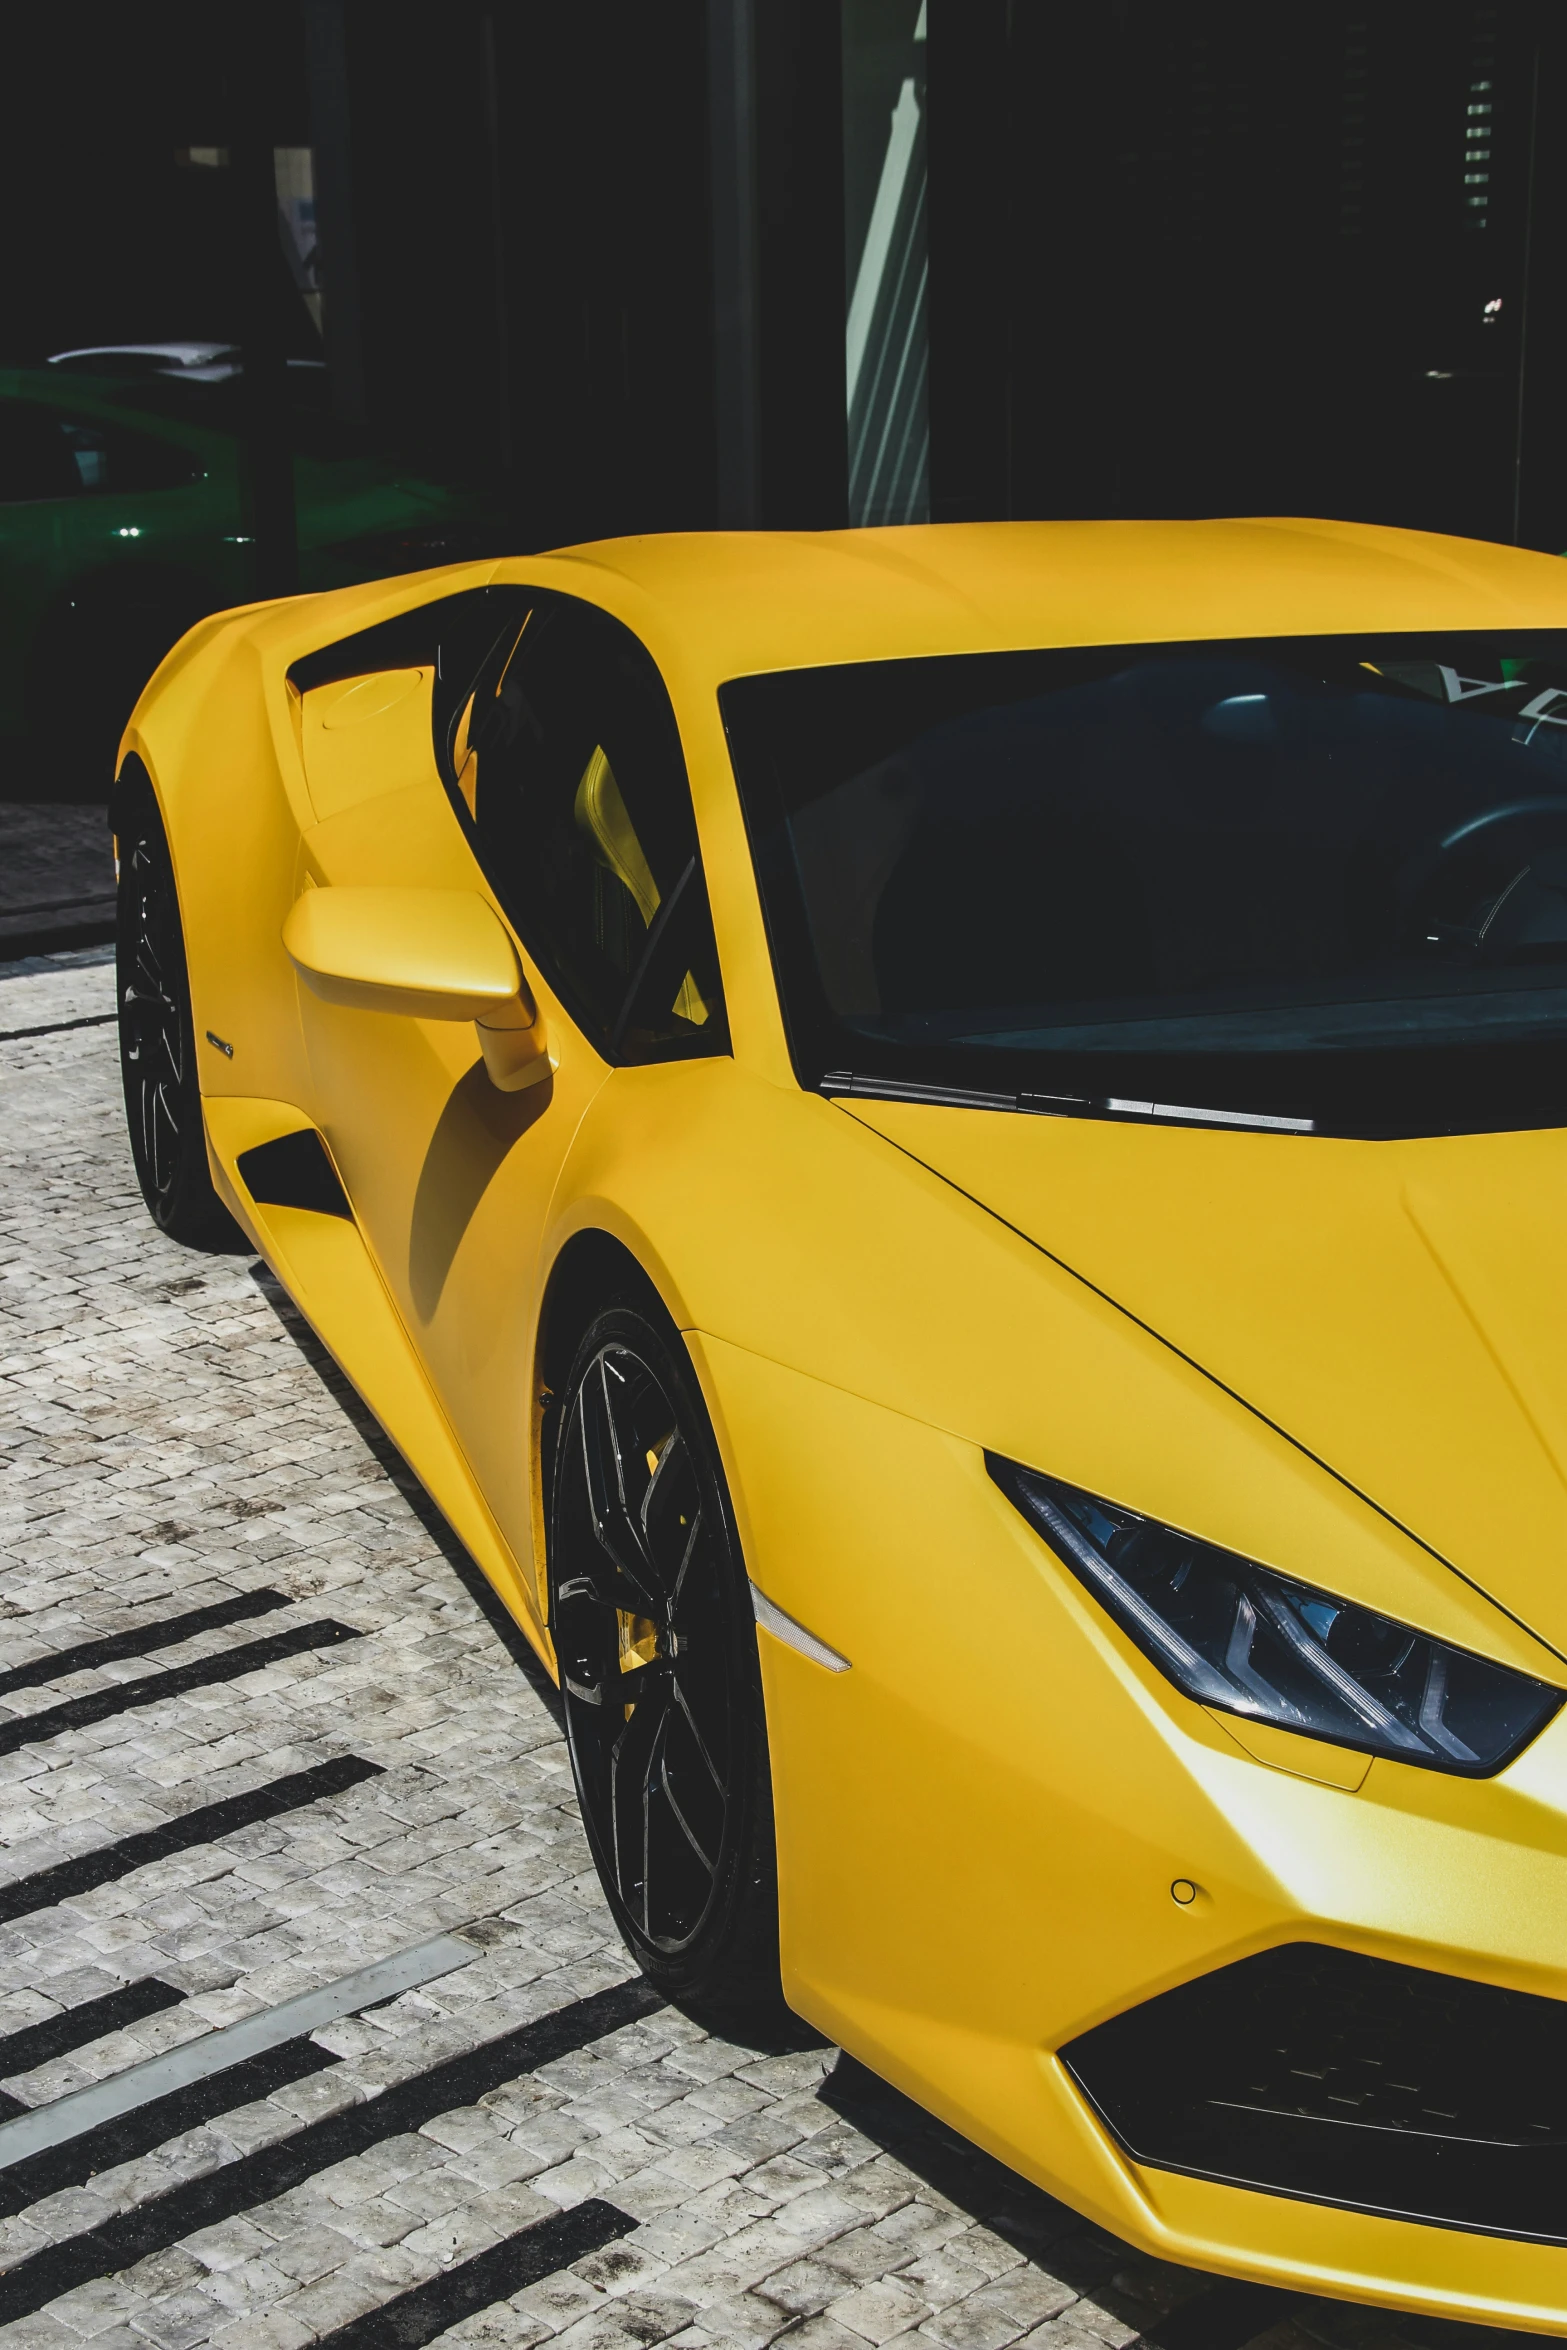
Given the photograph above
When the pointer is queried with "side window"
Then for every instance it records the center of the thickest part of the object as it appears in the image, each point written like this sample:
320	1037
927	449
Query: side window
375	711
35	460
107	457
565	763
46	455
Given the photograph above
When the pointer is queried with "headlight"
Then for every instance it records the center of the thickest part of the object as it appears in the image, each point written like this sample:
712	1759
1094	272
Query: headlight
1237	1636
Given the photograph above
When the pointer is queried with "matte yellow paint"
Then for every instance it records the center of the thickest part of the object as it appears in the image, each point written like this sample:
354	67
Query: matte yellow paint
432	954
1339	1358
1307	1758
1420	1284
516	1052
323	1264
355	732
1434	2270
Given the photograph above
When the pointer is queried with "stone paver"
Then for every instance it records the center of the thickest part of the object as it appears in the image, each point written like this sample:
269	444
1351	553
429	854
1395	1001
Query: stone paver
56	872
173	1435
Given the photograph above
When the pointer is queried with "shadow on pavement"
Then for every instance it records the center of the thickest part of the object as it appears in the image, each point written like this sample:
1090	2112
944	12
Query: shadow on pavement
378	1443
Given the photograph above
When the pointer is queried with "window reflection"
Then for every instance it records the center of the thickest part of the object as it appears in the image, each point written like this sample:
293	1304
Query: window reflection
180	430
886	339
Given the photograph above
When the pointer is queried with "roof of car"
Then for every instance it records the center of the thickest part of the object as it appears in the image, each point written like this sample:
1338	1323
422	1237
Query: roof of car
744	601
107	400
171	354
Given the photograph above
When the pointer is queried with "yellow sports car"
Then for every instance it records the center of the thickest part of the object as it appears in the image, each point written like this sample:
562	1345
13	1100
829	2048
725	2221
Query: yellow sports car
947	1149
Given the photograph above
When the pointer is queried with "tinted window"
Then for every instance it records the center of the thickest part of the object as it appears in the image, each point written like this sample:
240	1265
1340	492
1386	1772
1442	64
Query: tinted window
564	762
107	457
454	636
35	459
1313	881
46	455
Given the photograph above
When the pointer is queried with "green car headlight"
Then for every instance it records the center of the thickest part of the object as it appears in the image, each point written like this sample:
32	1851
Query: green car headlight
1235	1635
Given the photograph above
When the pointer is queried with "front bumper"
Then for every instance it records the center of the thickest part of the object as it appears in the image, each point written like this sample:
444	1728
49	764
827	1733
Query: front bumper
981	1823
1333	2078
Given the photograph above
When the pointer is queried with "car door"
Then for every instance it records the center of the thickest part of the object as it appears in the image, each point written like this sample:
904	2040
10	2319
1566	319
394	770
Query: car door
37	479
554	782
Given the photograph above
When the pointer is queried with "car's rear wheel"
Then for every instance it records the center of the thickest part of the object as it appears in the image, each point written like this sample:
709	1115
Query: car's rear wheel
652	1622
157	1038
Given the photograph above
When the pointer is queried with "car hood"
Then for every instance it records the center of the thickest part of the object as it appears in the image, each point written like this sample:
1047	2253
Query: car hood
1397	1309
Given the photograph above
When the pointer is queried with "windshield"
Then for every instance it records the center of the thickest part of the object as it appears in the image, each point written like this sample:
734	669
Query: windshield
1318	884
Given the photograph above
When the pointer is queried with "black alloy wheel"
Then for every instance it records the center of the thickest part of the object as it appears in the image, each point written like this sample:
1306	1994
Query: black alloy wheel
157	1040
653	1629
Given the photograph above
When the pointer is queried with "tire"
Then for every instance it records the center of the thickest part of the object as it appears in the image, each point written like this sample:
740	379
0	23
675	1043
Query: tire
158	1041
651	1617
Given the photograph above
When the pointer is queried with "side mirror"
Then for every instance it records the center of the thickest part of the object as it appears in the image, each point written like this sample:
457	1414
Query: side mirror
428	954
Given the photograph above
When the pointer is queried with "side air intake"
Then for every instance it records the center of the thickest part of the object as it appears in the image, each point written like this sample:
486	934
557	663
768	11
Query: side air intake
293	1172
1334	2078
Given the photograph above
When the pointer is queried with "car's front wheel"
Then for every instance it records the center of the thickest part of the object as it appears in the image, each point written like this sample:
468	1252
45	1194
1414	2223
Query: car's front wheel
653	1629
157	1037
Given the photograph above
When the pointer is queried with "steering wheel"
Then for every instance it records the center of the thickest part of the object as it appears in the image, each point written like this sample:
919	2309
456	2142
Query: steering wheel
1433	881
1473	826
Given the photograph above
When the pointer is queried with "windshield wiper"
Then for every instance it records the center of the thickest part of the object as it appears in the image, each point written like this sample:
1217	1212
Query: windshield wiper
846	1084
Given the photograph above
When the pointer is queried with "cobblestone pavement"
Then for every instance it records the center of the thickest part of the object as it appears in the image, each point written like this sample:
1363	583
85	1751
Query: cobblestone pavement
435	2167
56	874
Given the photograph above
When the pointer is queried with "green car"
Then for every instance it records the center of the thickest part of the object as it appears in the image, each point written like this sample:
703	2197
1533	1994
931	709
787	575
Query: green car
122	520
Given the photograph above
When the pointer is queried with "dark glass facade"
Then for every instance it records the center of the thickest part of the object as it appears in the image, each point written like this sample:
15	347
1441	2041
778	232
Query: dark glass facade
315	292
1211	258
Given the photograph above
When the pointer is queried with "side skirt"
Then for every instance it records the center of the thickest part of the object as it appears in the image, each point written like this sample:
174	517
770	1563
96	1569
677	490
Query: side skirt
325	1265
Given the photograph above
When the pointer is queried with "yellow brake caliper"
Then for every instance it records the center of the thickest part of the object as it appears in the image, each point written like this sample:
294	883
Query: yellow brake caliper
638	1635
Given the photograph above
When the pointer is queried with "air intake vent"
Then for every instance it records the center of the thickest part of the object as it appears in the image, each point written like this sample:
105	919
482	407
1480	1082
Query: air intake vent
1339	2079
294	1172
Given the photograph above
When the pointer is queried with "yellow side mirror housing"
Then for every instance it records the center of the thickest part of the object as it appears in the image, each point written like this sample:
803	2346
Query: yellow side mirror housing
428	954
